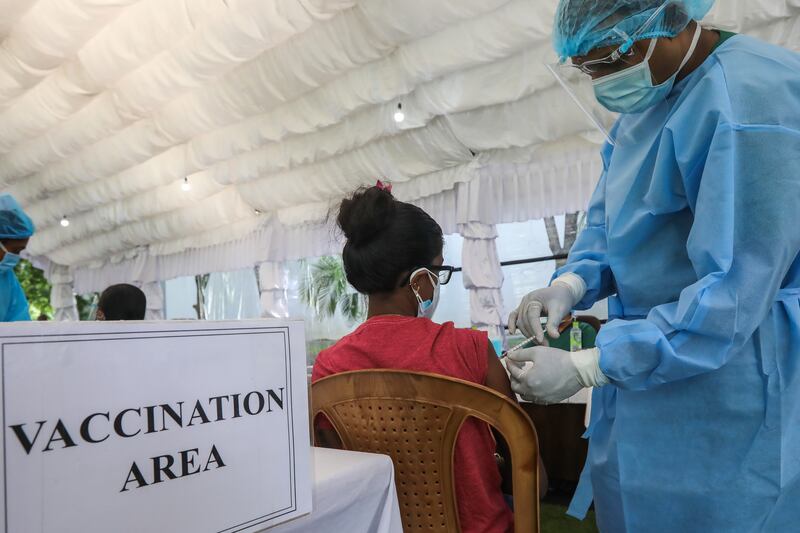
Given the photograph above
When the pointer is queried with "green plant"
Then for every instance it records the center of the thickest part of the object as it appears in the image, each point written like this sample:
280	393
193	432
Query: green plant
36	288
37	291
325	290
87	305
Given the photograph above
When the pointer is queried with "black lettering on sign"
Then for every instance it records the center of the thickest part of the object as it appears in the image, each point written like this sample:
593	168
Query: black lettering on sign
236	413
26	442
247	404
187	461
85	435
200	413
216	459
125	425
272	397
218	401
63	436
151	418
134	475
176	416
118	429
163	467
158	468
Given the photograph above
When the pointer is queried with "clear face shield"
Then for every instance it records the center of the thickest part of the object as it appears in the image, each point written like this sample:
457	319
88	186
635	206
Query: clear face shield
577	75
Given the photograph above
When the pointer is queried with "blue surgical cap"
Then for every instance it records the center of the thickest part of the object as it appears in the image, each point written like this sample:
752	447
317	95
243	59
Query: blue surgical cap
583	25
14	223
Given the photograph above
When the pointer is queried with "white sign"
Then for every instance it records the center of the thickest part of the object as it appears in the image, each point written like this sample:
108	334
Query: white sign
150	427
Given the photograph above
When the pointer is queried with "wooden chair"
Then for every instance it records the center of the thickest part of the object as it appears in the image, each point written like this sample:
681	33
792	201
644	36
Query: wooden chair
414	418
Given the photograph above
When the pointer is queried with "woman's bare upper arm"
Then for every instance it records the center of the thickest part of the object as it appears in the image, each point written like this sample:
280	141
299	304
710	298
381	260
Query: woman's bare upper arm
496	376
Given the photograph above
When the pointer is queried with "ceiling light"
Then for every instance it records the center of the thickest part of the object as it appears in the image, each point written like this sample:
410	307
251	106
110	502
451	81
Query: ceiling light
186	186
399	116
64	221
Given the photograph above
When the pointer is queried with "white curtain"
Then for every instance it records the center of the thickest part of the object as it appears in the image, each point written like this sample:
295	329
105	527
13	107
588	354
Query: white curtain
62	295
273	283
232	295
154	293
483	277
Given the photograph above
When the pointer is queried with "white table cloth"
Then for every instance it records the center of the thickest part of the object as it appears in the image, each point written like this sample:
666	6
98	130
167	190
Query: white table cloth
352	492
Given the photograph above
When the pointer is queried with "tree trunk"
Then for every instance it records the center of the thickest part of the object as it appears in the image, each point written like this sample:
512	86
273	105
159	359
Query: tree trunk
570	233
570	230
200	282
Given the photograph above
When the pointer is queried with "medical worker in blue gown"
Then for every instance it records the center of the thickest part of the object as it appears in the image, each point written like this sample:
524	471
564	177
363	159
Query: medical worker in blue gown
15	230
693	233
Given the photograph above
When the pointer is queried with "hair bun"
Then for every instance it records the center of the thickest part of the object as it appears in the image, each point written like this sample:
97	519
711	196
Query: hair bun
366	214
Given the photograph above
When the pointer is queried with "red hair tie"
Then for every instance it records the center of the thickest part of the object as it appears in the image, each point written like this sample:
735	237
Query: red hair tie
384	186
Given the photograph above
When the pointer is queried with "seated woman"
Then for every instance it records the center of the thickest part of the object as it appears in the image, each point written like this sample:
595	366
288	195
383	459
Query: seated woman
121	302
393	254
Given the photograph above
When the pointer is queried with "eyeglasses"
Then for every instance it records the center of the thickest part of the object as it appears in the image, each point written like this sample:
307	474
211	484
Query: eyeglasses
443	272
615	61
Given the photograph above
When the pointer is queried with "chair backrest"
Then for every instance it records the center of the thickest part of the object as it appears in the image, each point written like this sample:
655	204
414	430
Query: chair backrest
414	418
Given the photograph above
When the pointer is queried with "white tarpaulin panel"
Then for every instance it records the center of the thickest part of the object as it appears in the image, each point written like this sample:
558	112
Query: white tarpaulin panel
268	111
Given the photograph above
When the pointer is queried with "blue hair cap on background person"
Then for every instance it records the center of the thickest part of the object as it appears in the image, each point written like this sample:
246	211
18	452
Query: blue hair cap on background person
14	223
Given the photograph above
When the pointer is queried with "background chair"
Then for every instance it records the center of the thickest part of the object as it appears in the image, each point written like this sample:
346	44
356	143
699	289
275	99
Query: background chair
414	418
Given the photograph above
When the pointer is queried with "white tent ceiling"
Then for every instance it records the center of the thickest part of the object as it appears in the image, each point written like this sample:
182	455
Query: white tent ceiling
273	109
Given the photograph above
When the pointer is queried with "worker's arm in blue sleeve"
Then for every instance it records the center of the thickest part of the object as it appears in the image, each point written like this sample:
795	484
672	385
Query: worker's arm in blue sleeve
18	308
742	243
588	257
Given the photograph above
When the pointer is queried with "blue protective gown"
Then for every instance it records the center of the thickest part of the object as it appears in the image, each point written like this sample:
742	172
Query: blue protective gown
13	304
694	233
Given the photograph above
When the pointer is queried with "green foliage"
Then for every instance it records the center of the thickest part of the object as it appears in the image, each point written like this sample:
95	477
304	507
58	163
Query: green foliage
313	347
554	519
325	290
87	305
36	289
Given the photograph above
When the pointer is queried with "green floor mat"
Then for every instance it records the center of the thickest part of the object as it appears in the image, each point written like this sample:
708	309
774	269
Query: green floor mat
554	520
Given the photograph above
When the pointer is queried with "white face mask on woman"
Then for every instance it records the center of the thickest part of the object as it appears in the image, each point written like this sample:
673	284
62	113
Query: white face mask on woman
426	308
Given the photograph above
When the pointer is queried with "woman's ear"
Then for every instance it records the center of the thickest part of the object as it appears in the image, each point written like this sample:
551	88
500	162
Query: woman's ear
422	284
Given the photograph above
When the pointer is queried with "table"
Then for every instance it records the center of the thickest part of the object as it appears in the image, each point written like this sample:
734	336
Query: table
352	492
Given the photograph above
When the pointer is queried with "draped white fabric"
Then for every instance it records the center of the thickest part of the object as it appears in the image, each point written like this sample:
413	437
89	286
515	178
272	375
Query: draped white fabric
154	294
62	296
273	110
483	277
273	282
499	191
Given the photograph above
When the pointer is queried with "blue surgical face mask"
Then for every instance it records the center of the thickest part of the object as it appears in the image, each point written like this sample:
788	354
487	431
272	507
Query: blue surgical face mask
632	90
426	308
9	260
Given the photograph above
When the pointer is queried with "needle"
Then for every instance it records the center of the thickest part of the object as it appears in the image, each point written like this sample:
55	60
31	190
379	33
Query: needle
520	346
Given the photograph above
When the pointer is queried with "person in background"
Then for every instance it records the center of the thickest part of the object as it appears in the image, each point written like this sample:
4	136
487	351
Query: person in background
121	302
393	254
16	229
